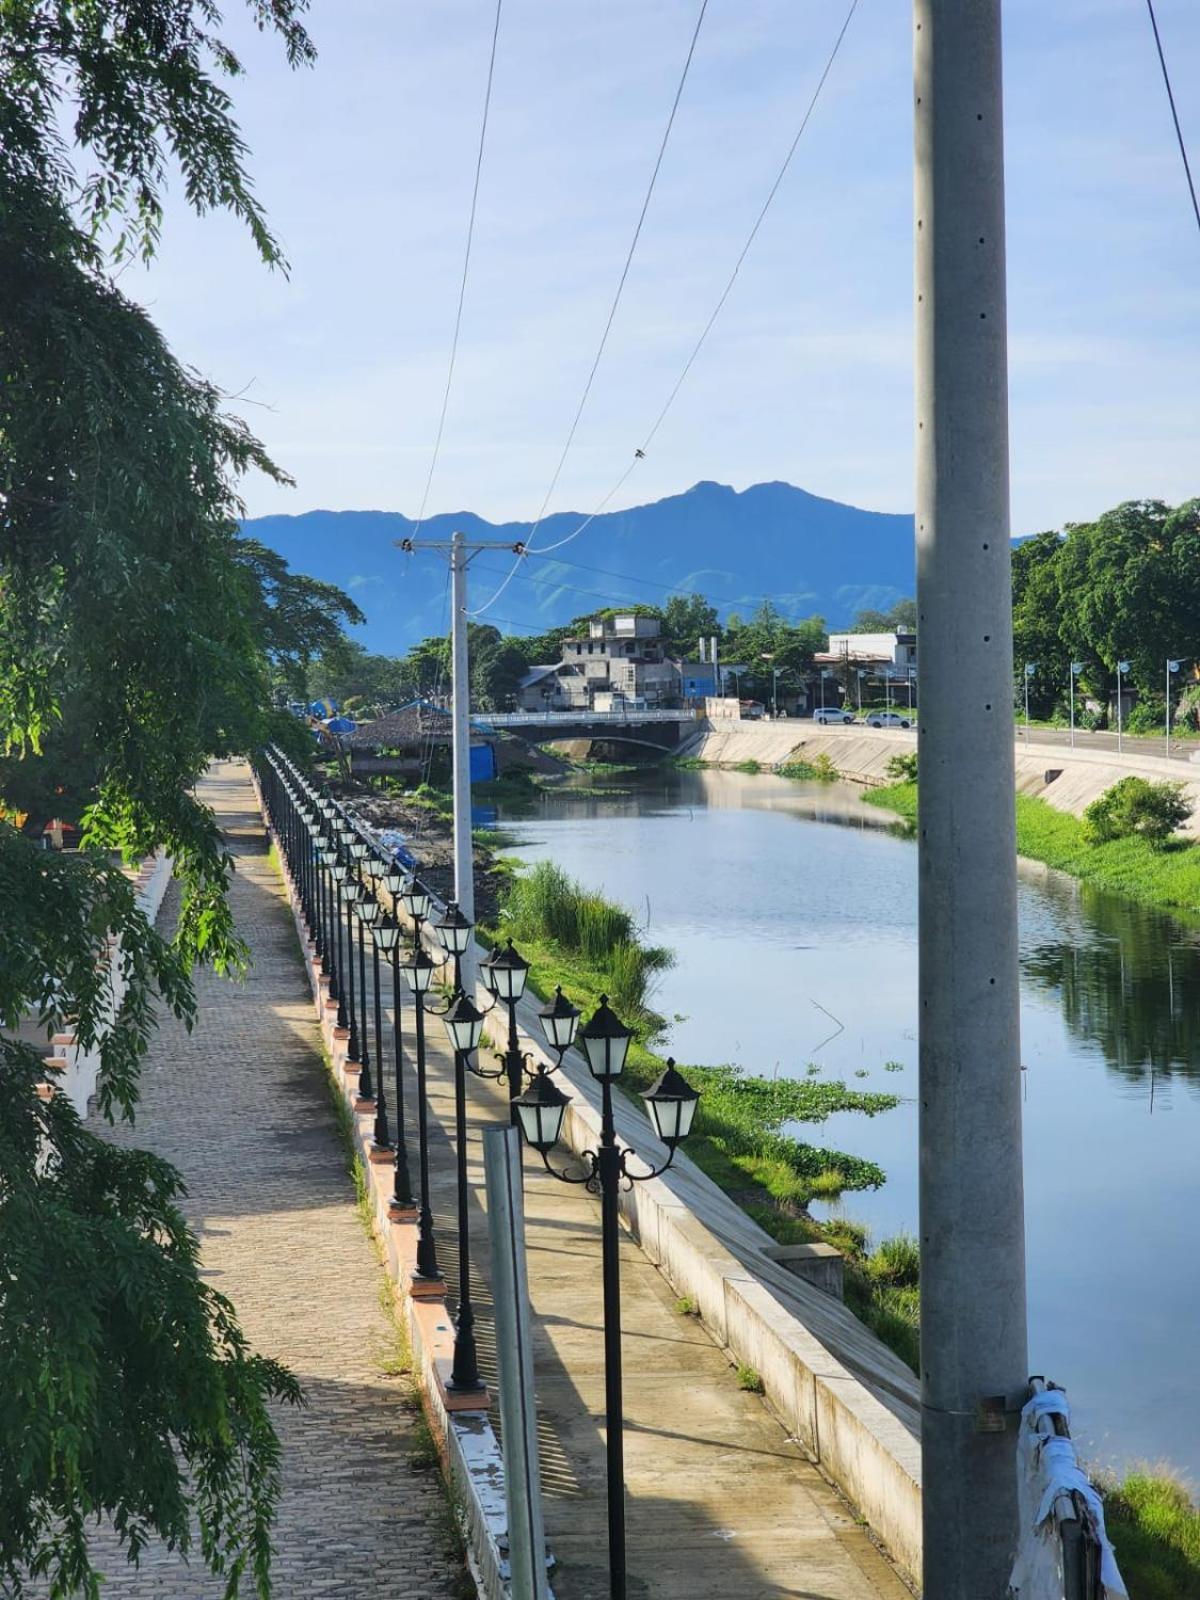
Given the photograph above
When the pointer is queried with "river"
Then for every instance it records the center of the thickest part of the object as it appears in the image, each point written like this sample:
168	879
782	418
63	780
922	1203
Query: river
792	913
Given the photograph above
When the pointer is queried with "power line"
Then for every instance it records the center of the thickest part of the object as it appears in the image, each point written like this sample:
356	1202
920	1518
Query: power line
616	301
640	452
462	288
1162	61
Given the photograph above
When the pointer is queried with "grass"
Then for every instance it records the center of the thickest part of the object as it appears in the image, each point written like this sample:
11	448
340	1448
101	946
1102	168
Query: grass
685	1306
750	766
1154	1525
796	769
1167	877
749	1380
575	939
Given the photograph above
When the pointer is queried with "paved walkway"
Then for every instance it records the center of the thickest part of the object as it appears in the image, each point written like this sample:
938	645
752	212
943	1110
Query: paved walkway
241	1106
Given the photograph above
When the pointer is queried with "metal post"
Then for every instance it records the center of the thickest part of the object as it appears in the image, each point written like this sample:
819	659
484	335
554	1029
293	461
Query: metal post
427	1270
402	1195
464	867
514	1349
1120	707
381	1136
366	1089
608	1169
1072	675
1172	668
464	1372
973	1327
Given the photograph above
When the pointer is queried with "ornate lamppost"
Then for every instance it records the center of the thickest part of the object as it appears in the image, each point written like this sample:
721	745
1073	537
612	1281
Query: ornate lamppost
671	1102
504	974
418	971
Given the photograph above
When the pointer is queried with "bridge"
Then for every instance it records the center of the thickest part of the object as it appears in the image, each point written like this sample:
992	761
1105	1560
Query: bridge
654	730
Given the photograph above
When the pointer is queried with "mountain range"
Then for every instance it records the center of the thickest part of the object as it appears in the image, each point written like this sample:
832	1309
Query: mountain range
770	541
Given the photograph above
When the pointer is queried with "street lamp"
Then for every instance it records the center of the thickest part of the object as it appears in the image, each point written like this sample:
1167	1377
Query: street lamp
386	934
504	974
464	1024
1122	669
367	911
418	972
671	1102
1172	668
1076	669
454	935
1030	670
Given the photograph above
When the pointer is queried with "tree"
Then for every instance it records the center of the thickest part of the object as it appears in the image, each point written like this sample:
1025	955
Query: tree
688	618
1036	585
138	635
902	615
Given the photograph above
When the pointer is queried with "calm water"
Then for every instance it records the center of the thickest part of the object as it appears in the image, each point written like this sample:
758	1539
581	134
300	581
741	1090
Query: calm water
793	916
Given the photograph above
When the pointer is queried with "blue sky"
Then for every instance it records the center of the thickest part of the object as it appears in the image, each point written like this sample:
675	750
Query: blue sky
365	164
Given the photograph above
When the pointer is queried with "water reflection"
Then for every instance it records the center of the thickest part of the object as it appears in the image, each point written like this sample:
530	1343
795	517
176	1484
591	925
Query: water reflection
1127	978
784	926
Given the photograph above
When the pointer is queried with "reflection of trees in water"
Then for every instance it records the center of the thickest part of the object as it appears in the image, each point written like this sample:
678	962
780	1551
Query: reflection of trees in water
1128	979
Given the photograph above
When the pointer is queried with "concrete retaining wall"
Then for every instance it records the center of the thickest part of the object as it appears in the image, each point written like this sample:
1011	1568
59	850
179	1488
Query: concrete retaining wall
862	755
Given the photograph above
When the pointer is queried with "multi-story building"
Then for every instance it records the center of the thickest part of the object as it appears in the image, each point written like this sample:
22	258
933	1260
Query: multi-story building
621	659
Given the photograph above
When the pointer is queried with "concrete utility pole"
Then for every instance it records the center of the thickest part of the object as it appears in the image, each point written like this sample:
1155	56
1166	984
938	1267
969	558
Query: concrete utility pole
973	1331
461	553
464	860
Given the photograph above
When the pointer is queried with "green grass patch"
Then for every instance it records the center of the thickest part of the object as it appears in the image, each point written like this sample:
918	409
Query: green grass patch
749	1380
751	766
1154	1525
1164	876
801	770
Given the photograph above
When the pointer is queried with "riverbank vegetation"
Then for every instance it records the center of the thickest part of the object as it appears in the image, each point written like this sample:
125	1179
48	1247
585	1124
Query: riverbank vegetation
743	1137
1166	875
1154	1525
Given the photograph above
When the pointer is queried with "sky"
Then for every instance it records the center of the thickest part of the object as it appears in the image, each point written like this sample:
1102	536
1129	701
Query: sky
365	164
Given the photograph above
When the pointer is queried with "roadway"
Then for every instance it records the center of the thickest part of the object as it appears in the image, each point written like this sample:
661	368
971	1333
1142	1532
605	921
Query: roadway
1181	749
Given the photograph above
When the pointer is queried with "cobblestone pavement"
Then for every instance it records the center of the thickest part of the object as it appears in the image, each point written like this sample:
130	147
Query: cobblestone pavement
240	1105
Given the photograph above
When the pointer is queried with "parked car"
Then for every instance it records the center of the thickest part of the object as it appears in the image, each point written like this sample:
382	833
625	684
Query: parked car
887	719
830	714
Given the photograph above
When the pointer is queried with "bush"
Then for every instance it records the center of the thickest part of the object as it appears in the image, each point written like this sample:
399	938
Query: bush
823	768
1148	716
903	768
1153	811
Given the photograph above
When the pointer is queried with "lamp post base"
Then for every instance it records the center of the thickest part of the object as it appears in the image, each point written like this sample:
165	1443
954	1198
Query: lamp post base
423	1288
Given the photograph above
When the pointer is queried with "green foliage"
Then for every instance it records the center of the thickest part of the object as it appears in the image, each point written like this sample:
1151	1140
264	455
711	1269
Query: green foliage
902	615
750	767
823	768
1154	1525
902	768
546	904
749	1380
140	635
1136	807
800	770
1126	586
685	1306
138	82
897	1261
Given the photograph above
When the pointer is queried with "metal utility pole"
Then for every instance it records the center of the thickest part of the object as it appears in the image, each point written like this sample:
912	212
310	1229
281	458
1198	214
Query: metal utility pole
461	554
974	1356
1076	669
1122	669
1172	668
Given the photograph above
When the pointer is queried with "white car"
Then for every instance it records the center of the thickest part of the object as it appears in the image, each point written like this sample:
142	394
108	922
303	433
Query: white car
826	715
887	719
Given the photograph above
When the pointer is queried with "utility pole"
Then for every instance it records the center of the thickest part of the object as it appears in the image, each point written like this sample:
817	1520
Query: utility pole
461	553
974	1356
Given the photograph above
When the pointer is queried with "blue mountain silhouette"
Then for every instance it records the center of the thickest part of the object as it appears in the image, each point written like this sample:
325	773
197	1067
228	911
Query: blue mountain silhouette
770	541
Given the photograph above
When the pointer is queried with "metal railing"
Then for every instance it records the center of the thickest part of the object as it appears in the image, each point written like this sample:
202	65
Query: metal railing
517	719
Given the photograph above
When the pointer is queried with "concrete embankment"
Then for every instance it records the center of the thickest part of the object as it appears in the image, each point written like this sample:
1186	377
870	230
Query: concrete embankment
1067	779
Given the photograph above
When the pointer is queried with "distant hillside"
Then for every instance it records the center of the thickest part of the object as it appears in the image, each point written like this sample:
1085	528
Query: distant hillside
772	540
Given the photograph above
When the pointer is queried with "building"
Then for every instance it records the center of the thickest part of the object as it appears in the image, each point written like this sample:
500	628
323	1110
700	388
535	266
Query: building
888	654
620	661
698	680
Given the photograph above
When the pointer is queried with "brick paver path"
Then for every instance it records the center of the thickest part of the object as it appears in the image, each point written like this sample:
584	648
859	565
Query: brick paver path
240	1105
